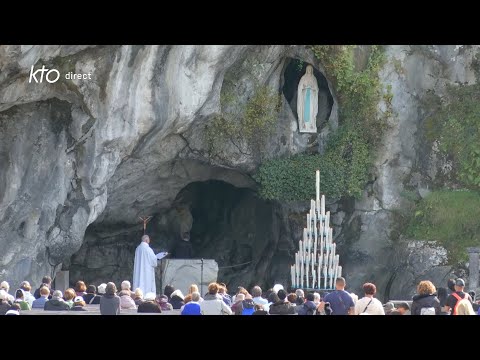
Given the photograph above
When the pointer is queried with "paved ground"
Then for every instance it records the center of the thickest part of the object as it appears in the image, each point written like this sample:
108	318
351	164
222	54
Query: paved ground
92	310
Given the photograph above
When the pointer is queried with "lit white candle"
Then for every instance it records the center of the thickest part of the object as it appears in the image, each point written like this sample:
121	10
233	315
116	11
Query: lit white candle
339	271
325	277
333	249
317	189
307	277
322	205
327	220
292	275
301	275
314	278
308	223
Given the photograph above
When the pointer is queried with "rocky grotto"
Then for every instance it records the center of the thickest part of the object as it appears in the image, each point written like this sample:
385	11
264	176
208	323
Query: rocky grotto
81	160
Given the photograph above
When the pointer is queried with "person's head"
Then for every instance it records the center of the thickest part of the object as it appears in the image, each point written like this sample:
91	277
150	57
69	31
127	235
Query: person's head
13	311
213	288
369	289
161	299
426	288
19	294
223	285
196	296
125	285
44	291
300	300
186	236
111	289
150	296
292	298
25	286
442	293
273	297
388	307
169	289
5	286
239	297
459	284
300	293
57	295
193	288
221	290
340	283
3	296
80	287
310	297
47	280
187	298
69	294
248	296
240	289
146	239
91	289
472	294
138	293
256	291
451	284
316	298
78	301
178	293
282	294
403	307
101	288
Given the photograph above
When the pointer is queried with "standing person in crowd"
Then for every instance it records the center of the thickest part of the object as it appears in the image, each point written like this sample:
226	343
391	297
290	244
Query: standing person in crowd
426	301
340	301
442	295
388	308
212	305
149	304
28	297
110	302
222	290
46	281
292	299
316	298
40	302
369	305
451	286
237	307
456	296
6	286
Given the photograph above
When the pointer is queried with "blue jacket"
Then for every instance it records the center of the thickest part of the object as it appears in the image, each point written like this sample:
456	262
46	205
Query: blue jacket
191	308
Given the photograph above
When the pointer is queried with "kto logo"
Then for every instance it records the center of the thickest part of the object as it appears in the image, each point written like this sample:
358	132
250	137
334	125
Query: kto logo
51	78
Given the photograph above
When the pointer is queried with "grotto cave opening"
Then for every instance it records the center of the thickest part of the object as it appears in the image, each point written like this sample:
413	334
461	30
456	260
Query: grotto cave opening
227	223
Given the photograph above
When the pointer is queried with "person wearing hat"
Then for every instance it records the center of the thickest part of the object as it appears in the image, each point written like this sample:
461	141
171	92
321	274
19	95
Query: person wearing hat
20	299
149	304
456	296
78	304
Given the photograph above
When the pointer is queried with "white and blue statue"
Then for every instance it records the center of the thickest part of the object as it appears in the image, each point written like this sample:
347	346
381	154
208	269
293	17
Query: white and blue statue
307	102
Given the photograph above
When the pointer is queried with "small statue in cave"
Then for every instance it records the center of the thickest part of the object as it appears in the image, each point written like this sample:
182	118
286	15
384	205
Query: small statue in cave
307	102
183	248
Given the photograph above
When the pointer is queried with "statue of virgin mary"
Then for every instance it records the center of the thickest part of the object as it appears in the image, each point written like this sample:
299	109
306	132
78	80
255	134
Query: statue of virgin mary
307	102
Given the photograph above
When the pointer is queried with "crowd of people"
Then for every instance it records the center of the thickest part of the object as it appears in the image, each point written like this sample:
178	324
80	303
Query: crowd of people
452	300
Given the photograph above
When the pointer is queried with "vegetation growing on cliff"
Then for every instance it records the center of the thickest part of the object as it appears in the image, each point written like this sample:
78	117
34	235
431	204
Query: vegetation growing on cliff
345	164
449	217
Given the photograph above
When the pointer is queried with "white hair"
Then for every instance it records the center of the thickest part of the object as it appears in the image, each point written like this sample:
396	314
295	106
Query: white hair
239	297
277	287
177	293
145	238
57	294
138	292
316	297
150	296
300	293
195	296
102	288
125	285
5	285
3	295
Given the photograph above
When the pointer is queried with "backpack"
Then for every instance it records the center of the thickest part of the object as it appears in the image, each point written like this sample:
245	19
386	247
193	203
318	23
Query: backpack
427	310
462	304
248	311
